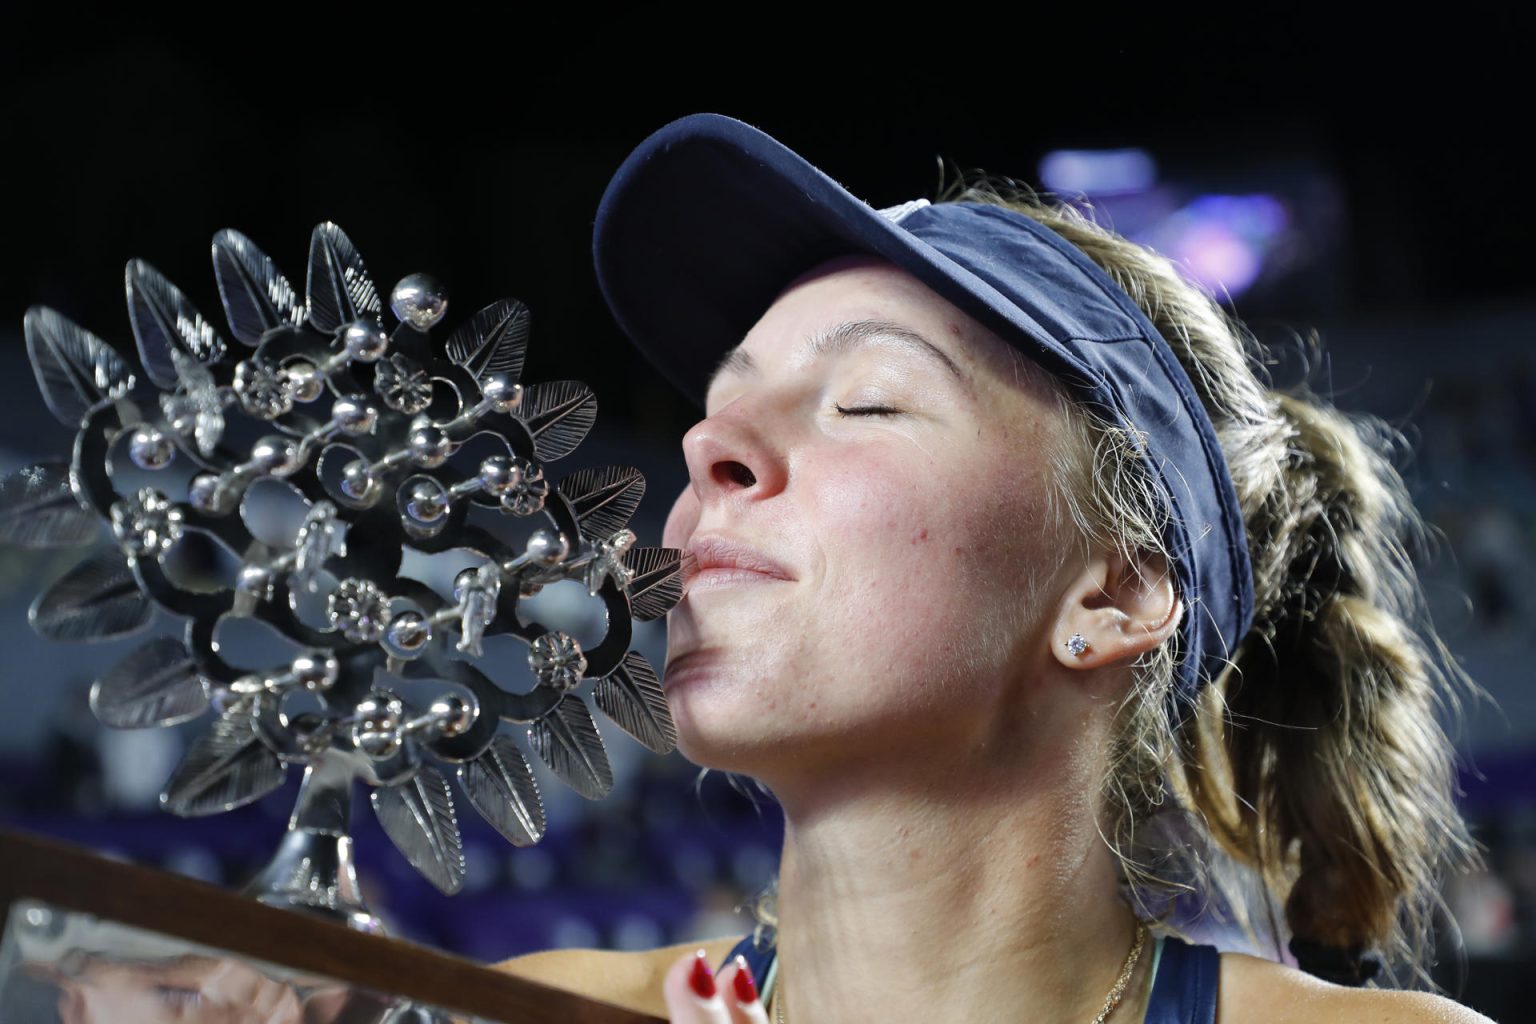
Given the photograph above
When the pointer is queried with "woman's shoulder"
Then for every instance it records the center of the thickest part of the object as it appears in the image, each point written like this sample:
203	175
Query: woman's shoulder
1258	991
631	979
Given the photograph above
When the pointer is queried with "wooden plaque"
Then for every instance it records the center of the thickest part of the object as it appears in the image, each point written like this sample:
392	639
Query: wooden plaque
52	895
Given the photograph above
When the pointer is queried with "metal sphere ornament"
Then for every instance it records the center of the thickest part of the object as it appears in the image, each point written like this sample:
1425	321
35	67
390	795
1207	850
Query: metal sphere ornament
368	478
277	456
357	480
419	300
547	548
503	392
315	671
150	448
409	633
364	340
303	380
354	415
430	445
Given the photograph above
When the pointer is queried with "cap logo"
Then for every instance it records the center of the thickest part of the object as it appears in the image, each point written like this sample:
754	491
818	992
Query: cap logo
896	214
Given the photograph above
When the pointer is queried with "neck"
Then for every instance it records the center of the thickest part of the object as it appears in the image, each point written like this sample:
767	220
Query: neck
977	888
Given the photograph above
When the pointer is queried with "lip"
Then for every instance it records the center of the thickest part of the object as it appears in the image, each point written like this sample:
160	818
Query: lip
673	670
724	561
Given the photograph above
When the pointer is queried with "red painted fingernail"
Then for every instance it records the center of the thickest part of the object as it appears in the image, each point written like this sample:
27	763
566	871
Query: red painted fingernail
746	988
702	981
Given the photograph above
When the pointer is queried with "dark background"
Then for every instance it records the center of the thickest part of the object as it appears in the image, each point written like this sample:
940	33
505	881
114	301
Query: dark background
477	149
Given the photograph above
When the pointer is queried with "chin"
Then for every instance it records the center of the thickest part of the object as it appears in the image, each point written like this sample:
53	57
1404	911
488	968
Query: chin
710	753
716	732
709	738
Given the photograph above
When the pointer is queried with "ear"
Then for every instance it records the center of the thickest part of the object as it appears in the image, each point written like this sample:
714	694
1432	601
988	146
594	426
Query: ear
1121	607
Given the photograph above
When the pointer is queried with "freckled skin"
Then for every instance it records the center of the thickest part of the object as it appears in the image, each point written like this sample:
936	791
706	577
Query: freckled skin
909	537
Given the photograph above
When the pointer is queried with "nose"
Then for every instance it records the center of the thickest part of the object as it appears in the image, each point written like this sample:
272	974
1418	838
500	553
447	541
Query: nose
730	456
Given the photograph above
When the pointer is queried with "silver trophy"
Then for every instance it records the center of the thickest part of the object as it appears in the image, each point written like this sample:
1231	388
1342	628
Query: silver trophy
283	479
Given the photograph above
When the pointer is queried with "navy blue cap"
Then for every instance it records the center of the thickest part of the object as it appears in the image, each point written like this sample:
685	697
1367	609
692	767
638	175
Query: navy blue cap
709	218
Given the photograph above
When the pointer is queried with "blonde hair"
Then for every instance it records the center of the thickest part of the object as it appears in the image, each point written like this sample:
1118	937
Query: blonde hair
1313	773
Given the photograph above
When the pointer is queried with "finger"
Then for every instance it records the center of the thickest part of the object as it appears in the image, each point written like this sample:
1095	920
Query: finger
325	1005
265	995
691	993
227	983
275	1003
285	1009
739	989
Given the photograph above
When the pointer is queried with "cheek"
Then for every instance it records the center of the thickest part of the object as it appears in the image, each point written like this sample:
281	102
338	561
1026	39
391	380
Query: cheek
929	567
901	548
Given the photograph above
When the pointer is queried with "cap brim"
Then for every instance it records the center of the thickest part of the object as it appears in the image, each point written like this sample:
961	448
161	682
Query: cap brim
707	221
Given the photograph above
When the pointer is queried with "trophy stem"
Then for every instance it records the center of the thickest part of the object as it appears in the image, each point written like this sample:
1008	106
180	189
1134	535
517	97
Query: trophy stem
313	869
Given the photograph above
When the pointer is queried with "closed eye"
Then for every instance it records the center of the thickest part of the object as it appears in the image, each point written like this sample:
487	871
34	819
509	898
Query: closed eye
866	410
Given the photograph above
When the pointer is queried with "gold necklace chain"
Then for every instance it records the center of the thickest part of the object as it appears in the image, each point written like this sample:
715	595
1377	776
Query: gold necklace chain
1116	992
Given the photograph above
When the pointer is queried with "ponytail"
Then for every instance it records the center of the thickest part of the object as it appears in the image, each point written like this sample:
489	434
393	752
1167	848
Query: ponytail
1338	762
1316	760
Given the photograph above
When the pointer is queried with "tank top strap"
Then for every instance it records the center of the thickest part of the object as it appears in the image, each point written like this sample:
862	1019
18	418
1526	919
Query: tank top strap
1184	986
761	961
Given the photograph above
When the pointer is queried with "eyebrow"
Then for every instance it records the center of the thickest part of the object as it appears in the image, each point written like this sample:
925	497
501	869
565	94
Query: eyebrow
845	337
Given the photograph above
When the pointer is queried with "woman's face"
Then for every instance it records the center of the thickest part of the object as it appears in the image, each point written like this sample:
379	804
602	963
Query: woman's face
868	506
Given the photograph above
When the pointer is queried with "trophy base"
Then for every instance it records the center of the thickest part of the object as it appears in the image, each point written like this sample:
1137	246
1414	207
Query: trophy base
314	872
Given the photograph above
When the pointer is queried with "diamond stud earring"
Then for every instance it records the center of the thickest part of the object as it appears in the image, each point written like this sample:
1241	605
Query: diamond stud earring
1076	644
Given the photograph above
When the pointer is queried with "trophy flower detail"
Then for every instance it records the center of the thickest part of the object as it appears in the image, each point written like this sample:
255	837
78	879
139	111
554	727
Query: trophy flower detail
291	475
